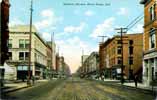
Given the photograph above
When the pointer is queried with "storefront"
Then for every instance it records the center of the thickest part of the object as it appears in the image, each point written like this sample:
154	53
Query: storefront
150	68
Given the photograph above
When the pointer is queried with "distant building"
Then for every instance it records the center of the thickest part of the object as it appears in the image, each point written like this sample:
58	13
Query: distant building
66	69
63	69
111	59
57	62
49	62
53	54
19	52
150	41
90	65
4	30
84	57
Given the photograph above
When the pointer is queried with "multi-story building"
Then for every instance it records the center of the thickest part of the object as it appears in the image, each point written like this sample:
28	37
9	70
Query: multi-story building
4	30
63	68
66	69
102	56
49	62
57	62
19	52
52	45
150	41
83	58
90	65
111	56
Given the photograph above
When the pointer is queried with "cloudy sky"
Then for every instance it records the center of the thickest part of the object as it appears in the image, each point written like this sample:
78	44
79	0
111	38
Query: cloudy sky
77	23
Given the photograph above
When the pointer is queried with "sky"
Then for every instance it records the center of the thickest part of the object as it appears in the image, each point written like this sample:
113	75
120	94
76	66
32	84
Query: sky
77	23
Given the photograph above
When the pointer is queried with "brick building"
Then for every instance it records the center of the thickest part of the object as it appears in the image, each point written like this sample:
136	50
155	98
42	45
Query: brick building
150	41
49	61
110	56
4	30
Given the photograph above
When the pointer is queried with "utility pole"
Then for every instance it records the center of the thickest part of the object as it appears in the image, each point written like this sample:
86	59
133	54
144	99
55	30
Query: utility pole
53	54
122	30
103	36
30	40
101	70
0	33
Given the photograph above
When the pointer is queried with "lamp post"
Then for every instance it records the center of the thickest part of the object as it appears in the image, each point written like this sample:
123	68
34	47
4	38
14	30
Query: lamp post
30	40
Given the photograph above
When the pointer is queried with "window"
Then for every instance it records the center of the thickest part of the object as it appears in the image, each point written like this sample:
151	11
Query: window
24	43
21	43
19	68
131	42
26	55
23	55
119	60
119	51
10	55
118	41
130	60
10	43
23	68
131	50
152	12
152	38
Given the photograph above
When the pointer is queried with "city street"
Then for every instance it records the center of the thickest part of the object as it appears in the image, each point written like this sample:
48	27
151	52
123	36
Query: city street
79	89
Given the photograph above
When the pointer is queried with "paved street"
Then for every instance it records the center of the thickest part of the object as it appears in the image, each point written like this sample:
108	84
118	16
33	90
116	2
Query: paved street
78	89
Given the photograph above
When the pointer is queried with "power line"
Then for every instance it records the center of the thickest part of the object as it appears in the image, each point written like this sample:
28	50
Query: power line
135	19
135	23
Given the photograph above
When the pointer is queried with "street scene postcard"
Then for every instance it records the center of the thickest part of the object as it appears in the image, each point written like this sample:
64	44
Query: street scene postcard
78	49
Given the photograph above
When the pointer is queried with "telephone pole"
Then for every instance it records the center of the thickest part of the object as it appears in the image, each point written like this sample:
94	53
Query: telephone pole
30	40
102	36
121	31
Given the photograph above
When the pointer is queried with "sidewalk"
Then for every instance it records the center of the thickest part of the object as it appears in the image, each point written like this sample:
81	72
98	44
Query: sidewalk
11	86
139	85
132	84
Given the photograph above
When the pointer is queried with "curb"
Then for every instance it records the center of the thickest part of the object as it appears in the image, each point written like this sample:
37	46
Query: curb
16	89
12	90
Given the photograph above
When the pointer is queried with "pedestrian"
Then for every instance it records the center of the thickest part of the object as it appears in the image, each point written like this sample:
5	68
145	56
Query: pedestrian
33	80
135	80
